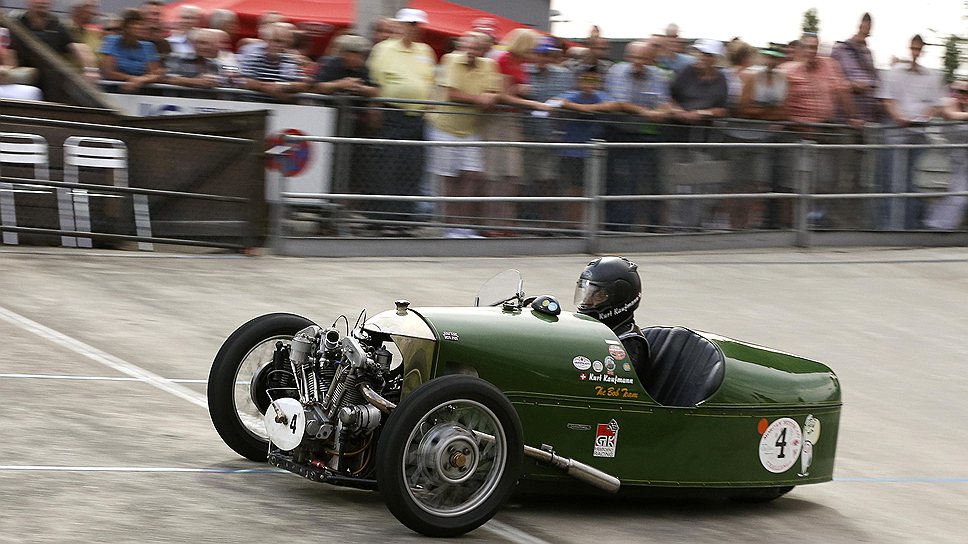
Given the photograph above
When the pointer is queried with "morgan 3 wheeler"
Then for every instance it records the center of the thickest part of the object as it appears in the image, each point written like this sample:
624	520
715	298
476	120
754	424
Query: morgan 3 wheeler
448	410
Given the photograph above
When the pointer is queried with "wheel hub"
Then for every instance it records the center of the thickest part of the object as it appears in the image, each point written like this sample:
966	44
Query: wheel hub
449	454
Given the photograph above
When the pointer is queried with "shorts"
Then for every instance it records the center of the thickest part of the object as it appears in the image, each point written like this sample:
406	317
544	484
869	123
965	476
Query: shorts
451	161
503	162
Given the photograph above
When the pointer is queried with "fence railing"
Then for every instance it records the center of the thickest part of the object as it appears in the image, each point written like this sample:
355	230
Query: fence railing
809	202
101	197
568	182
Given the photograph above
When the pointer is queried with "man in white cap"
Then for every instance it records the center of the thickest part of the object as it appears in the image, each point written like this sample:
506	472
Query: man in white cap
700	90
403	68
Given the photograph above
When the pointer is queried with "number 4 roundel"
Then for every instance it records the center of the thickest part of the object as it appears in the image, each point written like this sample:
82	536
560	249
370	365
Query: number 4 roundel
780	445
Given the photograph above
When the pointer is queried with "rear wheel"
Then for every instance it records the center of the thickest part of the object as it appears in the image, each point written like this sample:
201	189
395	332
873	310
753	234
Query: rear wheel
763	494
236	384
449	456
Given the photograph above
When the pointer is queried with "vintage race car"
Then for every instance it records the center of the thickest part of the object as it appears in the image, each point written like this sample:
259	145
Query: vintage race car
447	411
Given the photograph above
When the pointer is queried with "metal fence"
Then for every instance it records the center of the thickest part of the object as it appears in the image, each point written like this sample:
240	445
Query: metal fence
103	197
728	184
566	182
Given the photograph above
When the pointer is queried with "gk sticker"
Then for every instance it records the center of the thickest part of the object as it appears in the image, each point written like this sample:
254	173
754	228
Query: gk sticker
606	439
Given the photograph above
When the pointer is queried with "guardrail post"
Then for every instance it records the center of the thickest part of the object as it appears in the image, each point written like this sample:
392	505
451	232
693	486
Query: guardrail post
595	173
277	206
806	166
342	153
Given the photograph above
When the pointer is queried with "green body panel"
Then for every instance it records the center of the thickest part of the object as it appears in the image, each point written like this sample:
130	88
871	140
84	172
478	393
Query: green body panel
532	358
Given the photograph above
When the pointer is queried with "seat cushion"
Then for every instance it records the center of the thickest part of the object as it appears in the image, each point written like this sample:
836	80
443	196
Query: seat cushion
685	367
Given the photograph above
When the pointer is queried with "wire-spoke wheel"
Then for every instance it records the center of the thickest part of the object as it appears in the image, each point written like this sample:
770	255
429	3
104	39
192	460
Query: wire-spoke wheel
236	385
449	456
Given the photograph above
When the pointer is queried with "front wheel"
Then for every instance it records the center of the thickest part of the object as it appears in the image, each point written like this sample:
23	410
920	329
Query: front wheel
449	456
236	388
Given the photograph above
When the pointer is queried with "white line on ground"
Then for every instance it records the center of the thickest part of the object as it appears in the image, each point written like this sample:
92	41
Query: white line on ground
103	358
51	468
90	378
499	529
512	534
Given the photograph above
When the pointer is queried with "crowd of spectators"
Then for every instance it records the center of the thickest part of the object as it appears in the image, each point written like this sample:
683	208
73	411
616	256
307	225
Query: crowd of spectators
529	87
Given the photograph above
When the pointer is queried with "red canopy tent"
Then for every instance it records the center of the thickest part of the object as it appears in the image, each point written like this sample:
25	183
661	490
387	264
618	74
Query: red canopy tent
324	17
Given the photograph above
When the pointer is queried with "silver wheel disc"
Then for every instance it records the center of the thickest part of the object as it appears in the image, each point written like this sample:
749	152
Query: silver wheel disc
449	471
242	394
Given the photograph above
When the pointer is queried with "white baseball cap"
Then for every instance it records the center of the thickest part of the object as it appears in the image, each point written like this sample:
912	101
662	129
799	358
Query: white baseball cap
710	47
410	15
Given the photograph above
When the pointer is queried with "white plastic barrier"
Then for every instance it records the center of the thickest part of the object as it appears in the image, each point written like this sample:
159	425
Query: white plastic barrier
24	150
109	154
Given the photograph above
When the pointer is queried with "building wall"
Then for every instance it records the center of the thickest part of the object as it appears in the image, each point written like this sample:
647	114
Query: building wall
530	12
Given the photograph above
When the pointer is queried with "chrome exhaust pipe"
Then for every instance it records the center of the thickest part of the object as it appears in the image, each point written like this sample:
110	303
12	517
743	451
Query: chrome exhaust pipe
376	399
576	469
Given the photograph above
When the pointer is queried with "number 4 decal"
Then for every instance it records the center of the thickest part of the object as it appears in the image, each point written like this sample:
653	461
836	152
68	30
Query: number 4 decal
781	443
292	423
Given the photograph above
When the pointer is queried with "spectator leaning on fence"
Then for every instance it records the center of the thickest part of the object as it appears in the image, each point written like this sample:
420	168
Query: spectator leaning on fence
740	56
128	57
817	92
546	80
912	95
672	51
948	213
227	21
39	21
857	64
764	98
13	80
468	78
816	86
346	72
81	24
700	91
503	165
383	28
271	70
403	68
157	35
588	100
200	69
764	88
187	18
643	91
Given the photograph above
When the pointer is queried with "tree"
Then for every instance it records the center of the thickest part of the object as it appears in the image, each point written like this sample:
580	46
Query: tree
811	23
952	57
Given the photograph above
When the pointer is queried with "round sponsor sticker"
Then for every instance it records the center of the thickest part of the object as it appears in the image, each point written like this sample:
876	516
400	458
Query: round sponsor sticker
609	364
626	367
780	445
617	352
597	366
581	362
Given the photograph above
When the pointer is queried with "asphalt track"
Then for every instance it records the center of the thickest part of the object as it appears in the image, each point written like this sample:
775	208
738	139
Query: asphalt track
104	436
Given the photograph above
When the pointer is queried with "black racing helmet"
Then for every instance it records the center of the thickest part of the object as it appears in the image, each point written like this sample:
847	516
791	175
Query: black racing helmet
609	289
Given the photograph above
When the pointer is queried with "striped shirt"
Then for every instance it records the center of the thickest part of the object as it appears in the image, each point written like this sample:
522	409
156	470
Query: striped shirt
858	65
258	66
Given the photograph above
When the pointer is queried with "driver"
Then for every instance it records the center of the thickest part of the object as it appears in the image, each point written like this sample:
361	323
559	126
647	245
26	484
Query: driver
609	289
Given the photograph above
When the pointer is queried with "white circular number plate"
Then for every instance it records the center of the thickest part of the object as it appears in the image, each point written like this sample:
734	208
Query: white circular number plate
286	434
780	445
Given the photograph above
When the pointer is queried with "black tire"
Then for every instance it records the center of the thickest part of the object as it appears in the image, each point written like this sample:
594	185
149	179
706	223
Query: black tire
436	417
763	494
223	391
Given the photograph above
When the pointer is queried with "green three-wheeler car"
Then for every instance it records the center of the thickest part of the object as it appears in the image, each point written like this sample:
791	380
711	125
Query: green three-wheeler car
448	410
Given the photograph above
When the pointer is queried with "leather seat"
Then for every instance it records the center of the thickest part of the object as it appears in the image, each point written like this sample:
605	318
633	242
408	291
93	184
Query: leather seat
685	368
